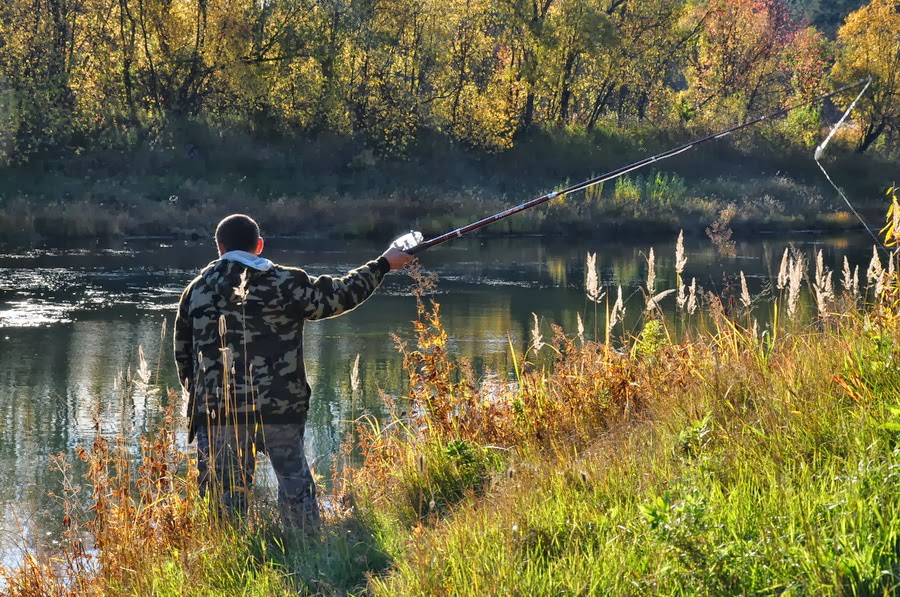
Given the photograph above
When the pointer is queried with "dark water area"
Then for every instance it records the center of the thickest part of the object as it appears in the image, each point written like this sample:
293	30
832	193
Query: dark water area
73	320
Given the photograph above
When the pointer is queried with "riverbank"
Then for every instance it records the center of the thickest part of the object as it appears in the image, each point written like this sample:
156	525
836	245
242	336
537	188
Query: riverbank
720	461
181	183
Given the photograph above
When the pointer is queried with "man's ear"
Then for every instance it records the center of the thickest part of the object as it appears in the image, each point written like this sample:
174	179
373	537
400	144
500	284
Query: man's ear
220	248
259	246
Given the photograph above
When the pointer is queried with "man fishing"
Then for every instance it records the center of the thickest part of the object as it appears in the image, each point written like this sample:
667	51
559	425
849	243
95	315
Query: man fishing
239	355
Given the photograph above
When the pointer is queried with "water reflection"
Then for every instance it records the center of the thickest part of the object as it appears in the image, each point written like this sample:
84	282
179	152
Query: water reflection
71	322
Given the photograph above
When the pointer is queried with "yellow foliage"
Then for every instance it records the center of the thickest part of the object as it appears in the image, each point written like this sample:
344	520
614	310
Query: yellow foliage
891	230
870	46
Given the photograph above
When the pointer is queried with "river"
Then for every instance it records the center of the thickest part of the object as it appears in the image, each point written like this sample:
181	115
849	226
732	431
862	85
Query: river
73	319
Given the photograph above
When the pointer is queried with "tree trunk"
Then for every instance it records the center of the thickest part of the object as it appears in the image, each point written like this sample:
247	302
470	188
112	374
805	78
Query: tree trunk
871	135
127	36
566	88
599	103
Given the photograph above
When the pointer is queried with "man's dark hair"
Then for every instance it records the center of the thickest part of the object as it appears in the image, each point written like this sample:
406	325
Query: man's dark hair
237	232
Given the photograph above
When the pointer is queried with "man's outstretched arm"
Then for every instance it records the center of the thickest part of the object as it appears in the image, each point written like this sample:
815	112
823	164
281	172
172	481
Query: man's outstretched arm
322	297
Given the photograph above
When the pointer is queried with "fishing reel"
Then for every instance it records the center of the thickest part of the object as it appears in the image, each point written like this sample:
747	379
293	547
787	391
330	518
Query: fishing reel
407	241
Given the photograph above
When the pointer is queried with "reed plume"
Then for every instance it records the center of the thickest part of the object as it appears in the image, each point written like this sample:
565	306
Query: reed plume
681	298
592	284
795	277
143	369
745	292
849	281
618	310
241	291
654	300
537	340
824	289
783	271
680	259
354	375
875	272
692	297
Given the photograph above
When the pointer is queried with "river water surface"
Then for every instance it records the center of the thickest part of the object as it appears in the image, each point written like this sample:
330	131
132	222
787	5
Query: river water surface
73	319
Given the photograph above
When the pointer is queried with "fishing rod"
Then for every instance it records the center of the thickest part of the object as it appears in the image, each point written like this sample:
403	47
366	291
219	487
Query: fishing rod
433	242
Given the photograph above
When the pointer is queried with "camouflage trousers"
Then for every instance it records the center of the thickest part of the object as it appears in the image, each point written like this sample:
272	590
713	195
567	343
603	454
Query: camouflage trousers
226	461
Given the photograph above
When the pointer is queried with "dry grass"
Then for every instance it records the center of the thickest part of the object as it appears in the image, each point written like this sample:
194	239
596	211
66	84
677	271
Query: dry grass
139	508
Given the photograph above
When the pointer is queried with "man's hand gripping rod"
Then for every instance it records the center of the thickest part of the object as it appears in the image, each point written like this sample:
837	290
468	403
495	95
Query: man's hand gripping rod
421	246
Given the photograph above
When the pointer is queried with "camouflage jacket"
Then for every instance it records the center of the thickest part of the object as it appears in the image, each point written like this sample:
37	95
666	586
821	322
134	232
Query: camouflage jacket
239	335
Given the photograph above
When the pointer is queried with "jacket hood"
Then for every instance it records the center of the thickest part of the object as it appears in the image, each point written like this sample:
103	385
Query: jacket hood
233	270
249	259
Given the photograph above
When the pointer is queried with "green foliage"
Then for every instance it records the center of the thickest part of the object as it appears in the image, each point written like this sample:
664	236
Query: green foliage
652	338
445	474
891	427
658	189
628	190
665	188
693	439
802	127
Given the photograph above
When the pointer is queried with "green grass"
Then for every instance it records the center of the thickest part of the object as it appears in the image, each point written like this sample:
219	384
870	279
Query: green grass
765	478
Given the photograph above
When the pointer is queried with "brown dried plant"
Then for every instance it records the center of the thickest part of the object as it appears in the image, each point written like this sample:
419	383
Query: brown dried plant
720	234
130	509
143	505
411	460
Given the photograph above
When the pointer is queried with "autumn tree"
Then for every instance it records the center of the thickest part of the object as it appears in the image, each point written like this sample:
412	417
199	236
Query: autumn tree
870	46
653	39
391	66
477	98
806	59
738	63
384	73
586	58
578	31
37	56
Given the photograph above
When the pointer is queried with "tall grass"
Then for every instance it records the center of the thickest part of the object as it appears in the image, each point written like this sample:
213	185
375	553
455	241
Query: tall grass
719	460
726	462
758	473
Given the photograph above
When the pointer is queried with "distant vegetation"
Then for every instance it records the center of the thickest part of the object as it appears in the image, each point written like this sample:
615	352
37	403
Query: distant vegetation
143	114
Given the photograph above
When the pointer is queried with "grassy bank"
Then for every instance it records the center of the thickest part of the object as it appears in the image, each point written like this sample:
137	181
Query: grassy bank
731	460
179	181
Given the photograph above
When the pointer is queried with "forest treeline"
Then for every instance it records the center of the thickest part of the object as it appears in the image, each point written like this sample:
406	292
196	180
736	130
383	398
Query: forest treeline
77	75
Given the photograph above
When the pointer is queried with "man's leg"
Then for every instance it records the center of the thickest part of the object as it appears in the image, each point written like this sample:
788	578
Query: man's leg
296	488
226	460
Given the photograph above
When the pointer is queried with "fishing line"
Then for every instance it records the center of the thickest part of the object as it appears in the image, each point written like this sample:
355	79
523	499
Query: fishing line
821	148
421	246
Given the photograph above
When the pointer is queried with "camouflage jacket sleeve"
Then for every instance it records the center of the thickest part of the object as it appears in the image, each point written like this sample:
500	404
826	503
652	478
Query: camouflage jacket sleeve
321	297
184	340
